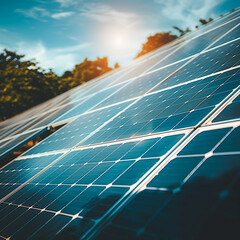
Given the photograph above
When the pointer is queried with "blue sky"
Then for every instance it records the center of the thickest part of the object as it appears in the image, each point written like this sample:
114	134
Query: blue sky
61	33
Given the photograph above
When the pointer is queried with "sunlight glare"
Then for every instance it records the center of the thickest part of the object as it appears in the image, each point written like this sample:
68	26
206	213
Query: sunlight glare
118	40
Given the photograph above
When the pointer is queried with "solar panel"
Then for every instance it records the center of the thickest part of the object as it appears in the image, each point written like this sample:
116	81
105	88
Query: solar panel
194	189
149	151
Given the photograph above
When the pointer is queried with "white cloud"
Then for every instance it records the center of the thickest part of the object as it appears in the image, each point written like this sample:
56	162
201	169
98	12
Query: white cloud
3	30
74	48
66	3
34	12
104	13
187	11
41	13
62	15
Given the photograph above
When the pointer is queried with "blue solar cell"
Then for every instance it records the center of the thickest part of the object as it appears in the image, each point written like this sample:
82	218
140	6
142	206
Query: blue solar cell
139	149
231	143
234	34
199	145
114	172
53	226
162	146
174	173
34	225
13	221
232	111
216	172
135	172
100	83
76	228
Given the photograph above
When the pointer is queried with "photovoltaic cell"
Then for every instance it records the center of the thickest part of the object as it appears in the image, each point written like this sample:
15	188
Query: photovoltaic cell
89	103
103	82
146	63
234	34
41	120
232	111
18	141
213	24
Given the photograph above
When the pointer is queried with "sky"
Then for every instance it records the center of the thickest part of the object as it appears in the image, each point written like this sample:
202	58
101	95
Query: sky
59	34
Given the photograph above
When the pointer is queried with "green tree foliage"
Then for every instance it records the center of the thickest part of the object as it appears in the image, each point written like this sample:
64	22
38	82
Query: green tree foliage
116	65
23	84
181	31
84	72
88	70
203	21
156	41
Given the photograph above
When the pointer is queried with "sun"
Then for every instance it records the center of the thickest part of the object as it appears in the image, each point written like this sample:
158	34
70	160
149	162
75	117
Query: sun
118	40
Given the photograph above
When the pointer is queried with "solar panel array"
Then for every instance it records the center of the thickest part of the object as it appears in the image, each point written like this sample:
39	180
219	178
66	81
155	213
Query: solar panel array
149	151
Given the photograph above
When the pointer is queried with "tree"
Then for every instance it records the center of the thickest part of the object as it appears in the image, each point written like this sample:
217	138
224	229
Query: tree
203	21
88	70
23	84
182	32
116	65
156	41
